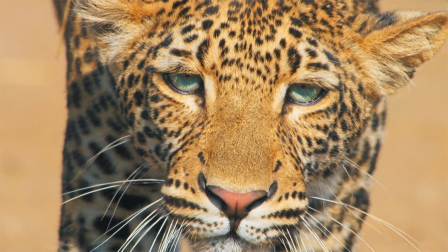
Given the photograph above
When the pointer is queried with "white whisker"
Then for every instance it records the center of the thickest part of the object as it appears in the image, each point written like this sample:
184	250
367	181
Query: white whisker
283	234
342	225
155	238
292	240
87	193
131	237
283	242
142	224
116	182
392	227
367	223
108	147
355	165
121	186
288	241
167	236
114	232
177	235
130	218
348	174
308	240
318	222
319	241
299	235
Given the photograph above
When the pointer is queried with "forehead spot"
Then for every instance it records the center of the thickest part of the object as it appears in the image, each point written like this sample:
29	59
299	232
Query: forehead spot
202	51
206	24
295	33
187	29
293	59
211	10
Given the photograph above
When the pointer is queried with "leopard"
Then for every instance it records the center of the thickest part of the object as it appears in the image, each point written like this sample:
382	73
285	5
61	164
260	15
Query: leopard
229	125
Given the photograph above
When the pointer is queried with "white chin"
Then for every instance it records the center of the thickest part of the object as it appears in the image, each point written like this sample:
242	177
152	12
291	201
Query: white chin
229	244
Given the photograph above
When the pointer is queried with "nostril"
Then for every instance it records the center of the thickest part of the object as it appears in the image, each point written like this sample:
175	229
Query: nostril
272	189
216	200
256	203
202	182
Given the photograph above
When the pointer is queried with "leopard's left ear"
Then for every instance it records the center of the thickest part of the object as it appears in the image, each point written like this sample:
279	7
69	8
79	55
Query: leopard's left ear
115	23
396	43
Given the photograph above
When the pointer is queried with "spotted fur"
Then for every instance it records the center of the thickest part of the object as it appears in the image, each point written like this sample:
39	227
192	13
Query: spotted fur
240	132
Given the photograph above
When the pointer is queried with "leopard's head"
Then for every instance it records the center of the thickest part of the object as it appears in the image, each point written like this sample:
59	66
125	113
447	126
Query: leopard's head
246	105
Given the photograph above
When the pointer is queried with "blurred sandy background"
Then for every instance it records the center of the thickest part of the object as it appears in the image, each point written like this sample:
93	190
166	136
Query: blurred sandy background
413	163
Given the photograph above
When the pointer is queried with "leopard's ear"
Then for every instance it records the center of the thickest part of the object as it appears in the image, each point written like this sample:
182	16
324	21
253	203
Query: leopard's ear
115	23
396	43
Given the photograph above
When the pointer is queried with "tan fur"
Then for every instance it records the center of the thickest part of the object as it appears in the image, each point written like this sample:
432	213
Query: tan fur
241	132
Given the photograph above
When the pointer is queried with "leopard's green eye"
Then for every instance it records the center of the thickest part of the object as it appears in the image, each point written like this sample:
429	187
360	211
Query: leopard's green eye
185	83
304	94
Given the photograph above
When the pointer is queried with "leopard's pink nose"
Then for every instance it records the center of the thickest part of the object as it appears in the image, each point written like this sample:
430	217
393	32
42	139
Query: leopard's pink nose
237	204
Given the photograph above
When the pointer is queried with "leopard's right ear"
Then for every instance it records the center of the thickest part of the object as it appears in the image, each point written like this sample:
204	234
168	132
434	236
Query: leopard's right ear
394	44
115	23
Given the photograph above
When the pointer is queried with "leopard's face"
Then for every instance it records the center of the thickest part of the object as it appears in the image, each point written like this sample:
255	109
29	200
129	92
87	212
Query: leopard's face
243	98
245	107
